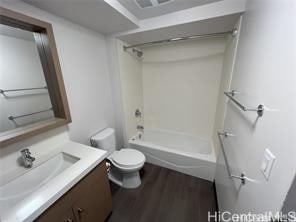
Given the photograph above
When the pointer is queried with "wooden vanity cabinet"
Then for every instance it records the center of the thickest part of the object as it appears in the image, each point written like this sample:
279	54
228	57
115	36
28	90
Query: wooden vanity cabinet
88	201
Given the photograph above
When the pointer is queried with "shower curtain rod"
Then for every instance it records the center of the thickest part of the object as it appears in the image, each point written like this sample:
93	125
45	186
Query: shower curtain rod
216	34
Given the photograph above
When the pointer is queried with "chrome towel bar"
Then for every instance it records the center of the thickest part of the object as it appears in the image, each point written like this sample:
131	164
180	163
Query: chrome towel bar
259	109
22	89
241	177
28	114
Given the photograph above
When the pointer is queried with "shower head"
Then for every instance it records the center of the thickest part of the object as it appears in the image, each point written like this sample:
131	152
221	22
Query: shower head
138	52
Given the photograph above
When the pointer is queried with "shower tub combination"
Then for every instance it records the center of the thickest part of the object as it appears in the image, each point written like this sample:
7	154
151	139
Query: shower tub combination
177	151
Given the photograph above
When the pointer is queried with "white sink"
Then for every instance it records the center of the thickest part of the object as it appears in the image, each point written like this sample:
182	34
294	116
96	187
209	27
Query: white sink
21	187
28	195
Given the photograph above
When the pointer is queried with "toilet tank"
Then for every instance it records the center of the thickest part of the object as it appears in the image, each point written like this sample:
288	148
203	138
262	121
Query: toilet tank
104	140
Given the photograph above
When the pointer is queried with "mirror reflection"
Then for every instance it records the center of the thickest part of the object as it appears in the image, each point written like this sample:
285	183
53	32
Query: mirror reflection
24	97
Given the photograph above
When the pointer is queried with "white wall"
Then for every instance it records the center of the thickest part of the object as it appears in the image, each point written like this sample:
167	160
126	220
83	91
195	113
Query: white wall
114	70
265	73
20	67
131	88
84	64
180	85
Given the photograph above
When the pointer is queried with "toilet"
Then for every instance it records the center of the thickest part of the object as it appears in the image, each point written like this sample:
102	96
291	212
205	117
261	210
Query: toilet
125	163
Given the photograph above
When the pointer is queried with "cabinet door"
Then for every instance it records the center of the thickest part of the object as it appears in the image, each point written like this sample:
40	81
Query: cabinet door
67	216
89	200
95	204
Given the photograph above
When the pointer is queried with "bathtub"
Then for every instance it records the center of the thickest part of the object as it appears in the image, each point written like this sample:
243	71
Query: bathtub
177	151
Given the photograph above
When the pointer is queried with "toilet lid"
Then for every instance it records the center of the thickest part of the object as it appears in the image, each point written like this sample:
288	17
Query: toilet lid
128	157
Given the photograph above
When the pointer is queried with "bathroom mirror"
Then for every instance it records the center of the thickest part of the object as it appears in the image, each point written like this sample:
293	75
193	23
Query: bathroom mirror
32	93
24	96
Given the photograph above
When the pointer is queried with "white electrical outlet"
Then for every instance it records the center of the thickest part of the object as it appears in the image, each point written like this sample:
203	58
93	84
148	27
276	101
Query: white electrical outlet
267	163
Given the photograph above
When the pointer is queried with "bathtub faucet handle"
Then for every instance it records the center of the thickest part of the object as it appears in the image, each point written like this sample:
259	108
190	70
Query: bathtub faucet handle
140	127
138	113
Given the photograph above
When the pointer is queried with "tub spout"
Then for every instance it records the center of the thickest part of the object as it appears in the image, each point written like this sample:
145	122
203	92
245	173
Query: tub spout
140	127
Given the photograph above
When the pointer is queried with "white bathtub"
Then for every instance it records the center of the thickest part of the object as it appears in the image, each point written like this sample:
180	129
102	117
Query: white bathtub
181	152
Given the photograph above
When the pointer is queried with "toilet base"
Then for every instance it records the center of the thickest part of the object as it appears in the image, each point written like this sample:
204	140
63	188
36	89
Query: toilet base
129	180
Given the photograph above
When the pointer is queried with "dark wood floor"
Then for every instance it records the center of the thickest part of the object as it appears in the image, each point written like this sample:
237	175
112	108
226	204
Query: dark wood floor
164	196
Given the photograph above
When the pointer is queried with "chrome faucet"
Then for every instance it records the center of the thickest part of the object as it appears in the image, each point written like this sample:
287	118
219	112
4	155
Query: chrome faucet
138	113
27	158
140	128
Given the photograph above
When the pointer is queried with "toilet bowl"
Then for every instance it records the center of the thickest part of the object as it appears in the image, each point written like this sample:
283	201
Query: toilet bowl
125	163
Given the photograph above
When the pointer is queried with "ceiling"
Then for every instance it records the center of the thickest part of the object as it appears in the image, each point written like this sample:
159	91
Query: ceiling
94	14
213	25
169	7
111	16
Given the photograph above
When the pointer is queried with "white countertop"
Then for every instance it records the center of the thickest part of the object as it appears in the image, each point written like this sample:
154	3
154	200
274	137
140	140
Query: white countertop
38	201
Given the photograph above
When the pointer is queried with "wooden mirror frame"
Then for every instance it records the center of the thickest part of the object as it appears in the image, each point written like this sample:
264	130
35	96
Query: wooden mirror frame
44	38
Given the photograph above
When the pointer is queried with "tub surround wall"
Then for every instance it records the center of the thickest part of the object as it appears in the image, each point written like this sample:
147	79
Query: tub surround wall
114	70
131	88
180	85
185	73
168	75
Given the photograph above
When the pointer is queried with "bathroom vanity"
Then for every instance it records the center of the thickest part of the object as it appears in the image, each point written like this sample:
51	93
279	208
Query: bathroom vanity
89	200
67	183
